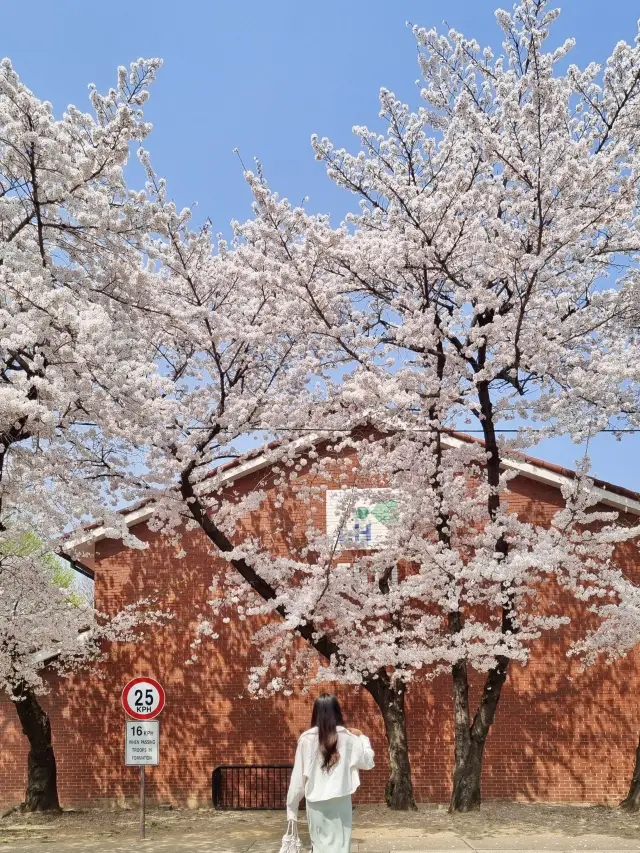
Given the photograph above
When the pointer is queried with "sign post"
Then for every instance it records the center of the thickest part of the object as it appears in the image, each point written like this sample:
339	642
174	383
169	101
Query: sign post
142	802
143	699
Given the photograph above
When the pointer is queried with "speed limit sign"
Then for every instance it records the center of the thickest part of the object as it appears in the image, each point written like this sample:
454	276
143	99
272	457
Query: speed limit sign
143	698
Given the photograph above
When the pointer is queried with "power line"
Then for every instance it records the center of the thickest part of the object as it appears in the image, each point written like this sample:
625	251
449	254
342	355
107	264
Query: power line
414	429
421	429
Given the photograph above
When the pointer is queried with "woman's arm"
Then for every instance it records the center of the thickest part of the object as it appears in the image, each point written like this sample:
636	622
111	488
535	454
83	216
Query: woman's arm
296	785
365	755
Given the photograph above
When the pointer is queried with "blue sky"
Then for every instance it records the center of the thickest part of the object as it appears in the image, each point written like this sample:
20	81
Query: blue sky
263	76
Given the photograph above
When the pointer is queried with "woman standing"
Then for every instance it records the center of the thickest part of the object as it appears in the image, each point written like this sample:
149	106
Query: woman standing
325	773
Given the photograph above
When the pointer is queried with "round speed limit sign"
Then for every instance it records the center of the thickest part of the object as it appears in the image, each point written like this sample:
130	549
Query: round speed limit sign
143	698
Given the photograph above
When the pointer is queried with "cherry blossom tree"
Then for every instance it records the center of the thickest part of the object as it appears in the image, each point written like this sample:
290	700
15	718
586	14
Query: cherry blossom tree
75	367
338	611
74	291
471	289
233	370
45	625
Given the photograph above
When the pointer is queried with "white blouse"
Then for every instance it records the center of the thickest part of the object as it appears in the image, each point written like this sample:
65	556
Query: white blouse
309	780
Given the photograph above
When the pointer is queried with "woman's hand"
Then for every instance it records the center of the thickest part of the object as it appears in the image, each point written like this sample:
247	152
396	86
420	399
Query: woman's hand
356	732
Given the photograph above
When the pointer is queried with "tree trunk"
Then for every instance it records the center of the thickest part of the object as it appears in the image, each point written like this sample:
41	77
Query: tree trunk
467	778
470	740
390	700
631	802
462	736
42	786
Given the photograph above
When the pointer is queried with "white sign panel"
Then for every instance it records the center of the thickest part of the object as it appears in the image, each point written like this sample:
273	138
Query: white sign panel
142	743
357	518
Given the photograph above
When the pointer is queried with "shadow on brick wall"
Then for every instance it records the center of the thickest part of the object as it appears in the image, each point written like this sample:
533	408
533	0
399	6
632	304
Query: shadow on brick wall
559	735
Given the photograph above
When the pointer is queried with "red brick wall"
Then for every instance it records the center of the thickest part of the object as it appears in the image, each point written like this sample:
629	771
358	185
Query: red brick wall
559	735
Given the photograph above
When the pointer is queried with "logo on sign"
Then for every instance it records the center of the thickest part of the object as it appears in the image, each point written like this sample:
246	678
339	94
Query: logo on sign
357	519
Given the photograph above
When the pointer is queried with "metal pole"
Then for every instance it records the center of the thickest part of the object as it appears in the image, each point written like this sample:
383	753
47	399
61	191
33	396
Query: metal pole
142	803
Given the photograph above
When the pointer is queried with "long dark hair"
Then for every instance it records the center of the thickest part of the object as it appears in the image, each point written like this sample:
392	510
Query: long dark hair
327	716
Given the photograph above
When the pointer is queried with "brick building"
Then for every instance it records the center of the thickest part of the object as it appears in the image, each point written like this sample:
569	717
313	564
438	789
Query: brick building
559	735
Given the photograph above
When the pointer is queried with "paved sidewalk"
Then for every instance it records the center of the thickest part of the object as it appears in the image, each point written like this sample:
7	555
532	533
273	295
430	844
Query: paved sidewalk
199	842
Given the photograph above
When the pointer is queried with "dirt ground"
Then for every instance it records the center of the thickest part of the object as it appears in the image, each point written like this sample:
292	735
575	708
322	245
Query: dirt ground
370	822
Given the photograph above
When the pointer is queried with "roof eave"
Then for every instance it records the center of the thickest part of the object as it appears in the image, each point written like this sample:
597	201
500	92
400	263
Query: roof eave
525	467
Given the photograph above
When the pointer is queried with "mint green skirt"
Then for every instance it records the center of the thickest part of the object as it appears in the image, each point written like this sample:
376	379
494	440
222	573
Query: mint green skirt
330	825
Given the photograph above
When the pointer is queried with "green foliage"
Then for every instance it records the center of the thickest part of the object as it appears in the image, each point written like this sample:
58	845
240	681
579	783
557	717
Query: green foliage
61	575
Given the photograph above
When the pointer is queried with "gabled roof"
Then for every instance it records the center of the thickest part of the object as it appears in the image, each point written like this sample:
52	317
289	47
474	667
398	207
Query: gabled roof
617	497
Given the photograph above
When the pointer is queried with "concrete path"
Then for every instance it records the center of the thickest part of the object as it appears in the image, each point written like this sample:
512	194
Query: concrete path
440	842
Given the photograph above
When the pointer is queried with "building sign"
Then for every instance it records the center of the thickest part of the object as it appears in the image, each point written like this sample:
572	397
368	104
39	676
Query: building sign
357	518
142	743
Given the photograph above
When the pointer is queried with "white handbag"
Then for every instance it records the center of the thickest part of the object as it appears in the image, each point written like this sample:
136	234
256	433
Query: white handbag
291	840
